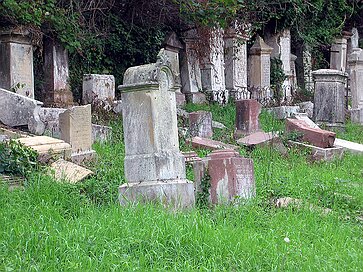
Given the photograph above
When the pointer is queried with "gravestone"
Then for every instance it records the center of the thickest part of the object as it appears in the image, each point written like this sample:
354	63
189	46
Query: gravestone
235	58
259	68
98	88
76	129
190	69
247	114
231	177
329	96
16	62
154	166
204	143
308	69
200	124
356	84
56	75
354	39
338	54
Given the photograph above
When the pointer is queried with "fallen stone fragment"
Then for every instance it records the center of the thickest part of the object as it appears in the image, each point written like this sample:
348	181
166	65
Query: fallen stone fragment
349	146
307	107
216	124
315	136
191	156
285	202
284	112
101	133
321	154
262	139
69	172
305	117
198	142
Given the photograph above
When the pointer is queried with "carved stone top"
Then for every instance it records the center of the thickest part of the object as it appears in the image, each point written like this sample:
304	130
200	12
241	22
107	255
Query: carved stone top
356	56
260	47
15	35
329	75
172	43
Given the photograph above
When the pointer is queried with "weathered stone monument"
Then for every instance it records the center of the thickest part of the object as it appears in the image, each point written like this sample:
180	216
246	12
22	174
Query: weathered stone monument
190	69
154	166
16	62
98	88
355	61
308	69
75	129
259	68
200	124
247	113
56	75
329	96
338	54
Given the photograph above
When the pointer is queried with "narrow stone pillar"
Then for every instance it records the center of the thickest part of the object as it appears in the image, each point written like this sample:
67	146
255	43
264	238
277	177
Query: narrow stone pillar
329	96
173	46
16	62
293	76
154	166
56	75
355	61
212	68
247	117
338	54
259	68
98	89
190	69
235	50
308	69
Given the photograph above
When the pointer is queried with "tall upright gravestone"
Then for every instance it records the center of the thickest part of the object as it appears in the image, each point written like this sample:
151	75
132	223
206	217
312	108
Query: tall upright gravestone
355	61
154	166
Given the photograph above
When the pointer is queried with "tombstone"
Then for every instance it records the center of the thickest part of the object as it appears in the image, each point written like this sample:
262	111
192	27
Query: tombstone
259	68
293	76
212	68
49	117
173	46
356	84
154	166
200	124
247	113
190	69
338	54
76	129
56	75
98	89
235	58
204	143
308	69
329	96
16	58
354	39
231	177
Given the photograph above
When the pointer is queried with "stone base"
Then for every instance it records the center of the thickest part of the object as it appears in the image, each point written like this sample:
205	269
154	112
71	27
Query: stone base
284	112
180	99
172	193
321	154
356	115
196	98
81	157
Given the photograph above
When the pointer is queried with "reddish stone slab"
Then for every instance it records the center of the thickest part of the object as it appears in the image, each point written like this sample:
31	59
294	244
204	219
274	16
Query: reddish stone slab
200	124
198	142
257	138
247	113
315	136
231	176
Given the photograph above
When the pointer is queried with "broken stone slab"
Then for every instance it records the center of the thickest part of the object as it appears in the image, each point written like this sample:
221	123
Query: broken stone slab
315	136
285	202
67	171
304	117
13	133
191	156
349	146
307	107
101	133
198	142
117	106
16	110
200	124
47	122
263	139
284	112
216	124
321	154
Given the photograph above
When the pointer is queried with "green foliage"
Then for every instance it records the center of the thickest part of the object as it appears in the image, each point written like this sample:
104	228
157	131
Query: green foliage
17	159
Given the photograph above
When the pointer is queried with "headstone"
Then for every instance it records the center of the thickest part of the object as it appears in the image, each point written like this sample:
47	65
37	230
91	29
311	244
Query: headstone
304	117
190	69
308	69
231	177
200	124
154	166
212	68
338	54
247	117
16	58
56	75
49	119
315	136
356	84
198	142
101	133
259	68
98	88
172	47
293	76
283	112
67	171
235	58
307	107
354	39
329	96
76	129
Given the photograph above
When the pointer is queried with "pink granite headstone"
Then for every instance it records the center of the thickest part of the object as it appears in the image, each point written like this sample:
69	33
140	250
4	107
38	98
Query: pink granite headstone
231	176
200	124
247	113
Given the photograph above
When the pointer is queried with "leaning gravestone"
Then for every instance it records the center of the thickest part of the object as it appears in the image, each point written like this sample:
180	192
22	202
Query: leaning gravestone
154	166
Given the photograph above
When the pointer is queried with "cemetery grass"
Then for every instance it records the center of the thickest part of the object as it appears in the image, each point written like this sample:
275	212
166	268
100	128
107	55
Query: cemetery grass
50	226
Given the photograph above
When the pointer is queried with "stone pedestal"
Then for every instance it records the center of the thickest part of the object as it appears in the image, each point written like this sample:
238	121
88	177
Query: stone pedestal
231	177
200	124
56	75
247	113
154	166
16	62
98	88
355	61
329	96
259	68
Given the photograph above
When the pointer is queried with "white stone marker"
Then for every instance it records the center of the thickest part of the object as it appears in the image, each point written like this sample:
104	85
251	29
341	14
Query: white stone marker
154	166
355	61
98	88
16	62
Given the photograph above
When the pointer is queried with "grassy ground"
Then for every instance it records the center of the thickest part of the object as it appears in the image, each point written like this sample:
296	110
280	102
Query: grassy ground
57	227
